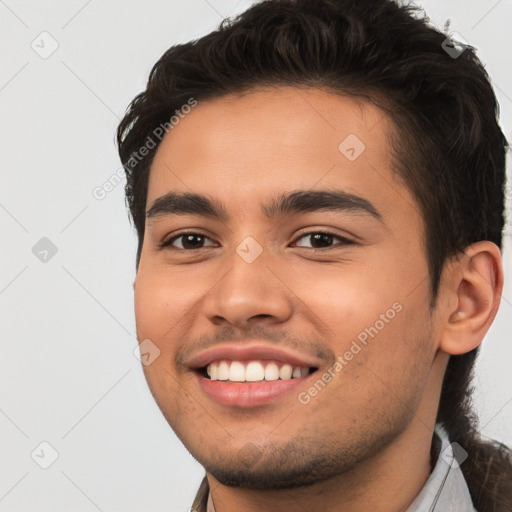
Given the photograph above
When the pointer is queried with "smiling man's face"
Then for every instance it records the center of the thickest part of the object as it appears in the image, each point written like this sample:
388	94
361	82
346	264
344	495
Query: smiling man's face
298	253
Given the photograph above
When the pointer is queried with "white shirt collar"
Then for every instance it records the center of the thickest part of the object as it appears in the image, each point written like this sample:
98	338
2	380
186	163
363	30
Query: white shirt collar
446	489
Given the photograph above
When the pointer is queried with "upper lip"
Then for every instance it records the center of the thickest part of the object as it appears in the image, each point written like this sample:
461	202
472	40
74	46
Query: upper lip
250	352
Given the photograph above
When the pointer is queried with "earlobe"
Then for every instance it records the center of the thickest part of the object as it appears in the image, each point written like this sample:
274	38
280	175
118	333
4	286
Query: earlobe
476	282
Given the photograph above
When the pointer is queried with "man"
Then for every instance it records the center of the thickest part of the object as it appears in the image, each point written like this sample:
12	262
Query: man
317	189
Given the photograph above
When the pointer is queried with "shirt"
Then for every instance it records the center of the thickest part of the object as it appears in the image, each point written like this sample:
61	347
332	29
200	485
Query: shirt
444	491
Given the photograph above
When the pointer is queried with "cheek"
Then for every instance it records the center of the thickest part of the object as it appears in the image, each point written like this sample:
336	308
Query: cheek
373	320
150	305
382	370
346	299
161	301
157	310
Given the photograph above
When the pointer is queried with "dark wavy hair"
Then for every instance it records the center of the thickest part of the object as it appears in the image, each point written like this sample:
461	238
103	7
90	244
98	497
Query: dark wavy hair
447	145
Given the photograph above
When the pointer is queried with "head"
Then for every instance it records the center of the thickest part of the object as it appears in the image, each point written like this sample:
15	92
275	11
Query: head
361	168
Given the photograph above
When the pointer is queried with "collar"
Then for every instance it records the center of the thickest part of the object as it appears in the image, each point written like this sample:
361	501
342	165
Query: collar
209	505
444	491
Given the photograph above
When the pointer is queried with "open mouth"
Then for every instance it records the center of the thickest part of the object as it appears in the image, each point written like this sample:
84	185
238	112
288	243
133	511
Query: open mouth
251	371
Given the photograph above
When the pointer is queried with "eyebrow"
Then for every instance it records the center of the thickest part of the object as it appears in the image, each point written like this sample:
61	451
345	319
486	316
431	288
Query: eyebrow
290	203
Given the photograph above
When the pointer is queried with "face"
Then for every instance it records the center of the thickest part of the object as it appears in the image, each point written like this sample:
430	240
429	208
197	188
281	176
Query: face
284	281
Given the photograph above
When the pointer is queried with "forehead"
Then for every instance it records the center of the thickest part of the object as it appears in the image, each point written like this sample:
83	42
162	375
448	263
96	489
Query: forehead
243	148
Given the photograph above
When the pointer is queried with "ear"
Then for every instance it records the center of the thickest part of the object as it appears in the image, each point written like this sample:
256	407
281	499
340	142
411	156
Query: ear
471	291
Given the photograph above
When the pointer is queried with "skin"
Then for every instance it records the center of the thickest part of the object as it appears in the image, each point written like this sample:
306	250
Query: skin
363	442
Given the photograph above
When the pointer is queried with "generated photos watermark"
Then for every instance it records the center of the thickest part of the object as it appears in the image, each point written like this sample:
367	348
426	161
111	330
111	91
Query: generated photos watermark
357	345
119	176
159	132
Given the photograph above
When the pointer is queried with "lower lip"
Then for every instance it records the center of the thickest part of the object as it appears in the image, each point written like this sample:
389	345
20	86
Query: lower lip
249	394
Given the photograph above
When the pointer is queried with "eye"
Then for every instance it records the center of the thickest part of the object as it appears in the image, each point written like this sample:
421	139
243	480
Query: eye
320	240
189	241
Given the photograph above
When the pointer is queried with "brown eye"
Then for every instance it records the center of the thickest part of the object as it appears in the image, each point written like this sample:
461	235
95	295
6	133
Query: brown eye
319	240
189	241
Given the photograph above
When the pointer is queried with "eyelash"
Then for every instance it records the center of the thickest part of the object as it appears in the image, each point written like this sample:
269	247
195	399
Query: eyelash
344	241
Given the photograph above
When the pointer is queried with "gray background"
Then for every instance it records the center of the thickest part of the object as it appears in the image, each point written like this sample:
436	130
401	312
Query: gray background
68	375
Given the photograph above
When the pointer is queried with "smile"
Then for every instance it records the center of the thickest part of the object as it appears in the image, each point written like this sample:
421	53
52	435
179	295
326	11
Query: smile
251	374
254	371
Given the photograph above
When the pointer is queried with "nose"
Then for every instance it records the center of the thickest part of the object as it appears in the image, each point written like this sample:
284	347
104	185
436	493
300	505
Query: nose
249	293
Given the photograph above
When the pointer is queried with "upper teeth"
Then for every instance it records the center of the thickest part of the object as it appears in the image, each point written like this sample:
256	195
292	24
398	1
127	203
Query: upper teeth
253	371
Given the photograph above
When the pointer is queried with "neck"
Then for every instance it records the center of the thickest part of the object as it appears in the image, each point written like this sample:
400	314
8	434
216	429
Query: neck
387	482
